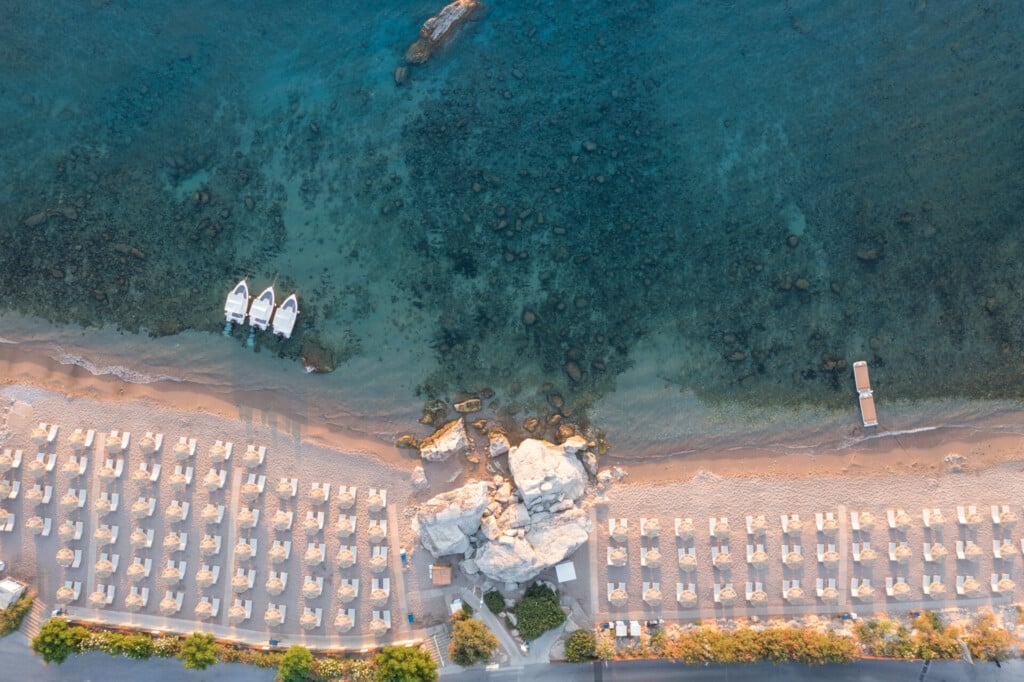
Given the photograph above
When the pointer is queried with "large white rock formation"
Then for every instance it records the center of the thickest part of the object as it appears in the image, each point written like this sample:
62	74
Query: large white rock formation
450	439
447	520
545	474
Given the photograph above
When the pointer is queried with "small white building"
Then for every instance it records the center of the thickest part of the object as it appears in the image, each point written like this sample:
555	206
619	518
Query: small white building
10	591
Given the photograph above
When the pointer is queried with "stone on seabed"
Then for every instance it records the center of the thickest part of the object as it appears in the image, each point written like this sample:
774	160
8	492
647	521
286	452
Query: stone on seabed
439	28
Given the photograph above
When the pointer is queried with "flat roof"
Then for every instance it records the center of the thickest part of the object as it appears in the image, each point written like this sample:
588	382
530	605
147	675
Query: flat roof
441	575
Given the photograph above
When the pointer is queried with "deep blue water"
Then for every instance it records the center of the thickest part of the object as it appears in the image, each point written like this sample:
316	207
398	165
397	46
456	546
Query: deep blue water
762	192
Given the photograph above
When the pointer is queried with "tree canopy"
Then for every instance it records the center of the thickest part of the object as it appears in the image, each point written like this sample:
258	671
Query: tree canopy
198	651
405	664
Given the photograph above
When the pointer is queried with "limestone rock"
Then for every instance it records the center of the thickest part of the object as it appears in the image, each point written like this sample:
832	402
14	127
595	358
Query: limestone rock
519	559
439	29
544	473
499	444
450	439
419	479
446	521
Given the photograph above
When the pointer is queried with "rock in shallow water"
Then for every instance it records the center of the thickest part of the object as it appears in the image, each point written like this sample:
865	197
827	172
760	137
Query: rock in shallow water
450	439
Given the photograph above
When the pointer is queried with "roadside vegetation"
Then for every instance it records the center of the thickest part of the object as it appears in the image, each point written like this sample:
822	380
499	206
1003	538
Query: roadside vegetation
471	641
11	617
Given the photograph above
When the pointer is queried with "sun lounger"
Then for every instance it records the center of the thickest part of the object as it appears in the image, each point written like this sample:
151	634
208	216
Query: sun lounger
960	550
45	494
750	553
215	570
78	559
155	475
51	461
15	489
260	481
228	447
75	587
147	565
998	511
214	605
960	580
927	552
114	559
185	506
287	545
113	498
996	552
47	527
8	524
158	441
319	517
83	464
149	538
864	394
16	459
926	516
294	482
890	515
377	615
261	452
680	522
51	432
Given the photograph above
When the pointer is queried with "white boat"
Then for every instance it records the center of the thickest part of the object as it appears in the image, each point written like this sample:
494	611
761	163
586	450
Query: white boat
262	309
284	318
237	304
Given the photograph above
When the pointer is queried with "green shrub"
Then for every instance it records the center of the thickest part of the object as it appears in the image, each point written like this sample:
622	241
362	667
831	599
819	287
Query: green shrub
471	642
580	646
495	602
198	651
296	665
538	611
11	617
987	642
467	610
349	669
405	664
57	640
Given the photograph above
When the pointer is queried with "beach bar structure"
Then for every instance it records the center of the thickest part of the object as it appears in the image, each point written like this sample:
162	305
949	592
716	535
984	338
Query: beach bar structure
866	397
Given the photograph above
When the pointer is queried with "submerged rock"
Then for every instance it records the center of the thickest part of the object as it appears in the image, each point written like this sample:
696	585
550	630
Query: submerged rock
440	28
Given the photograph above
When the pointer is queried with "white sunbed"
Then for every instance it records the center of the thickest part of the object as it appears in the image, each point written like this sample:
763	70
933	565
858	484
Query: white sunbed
228	447
149	538
16	458
45	493
187	472
996	549
158	441
75	587
49	460
287	545
154	476
384	615
926	552
147	565
51	432
8	524
960	547
319	517
47	527
215	570
143	594
83	463
926	516
260	481
294	482
214	605
261	451
680	522
615	523
960	580
77	560
15	489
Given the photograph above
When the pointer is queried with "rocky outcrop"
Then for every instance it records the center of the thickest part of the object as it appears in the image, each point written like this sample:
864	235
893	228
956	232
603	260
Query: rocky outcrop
545	473
511	530
450	439
439	29
446	521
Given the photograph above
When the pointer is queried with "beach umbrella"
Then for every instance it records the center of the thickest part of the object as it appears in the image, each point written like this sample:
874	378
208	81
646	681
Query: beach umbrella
246	519
314	556
830	558
901	592
171	575
312	527
113	445
66	531
377	535
758	597
685	531
345	500
378	564
727	596
203	610
317	495
102	506
653	558
343	623
378	627
35	525
1005	585
77	441
343	527
687	598
867	521
759	558
5	489
6	462
974	520
687	562
284	489
210	514
1008	549
903	521
140	509
70	468
147	445
97	599
618	557
65	595
830	595
973	552
175	512
275	586
723	559
208	546
936	590
168	606
936	520
218	453
618	597
236	614
141	478
273	617
652	597
103	536
311	590
830	527
240	584
972	586
794	527
139	539
251	459
308	620
104	568
939	551
868	556
620	533
250	491
39	435
865	591
721	529
346	558
375	502
794	595
282	520
172	542
178	482
793	559
136	572
204	578
652	528
211	481
243	551
278	554
182	451
379	598
346	593
36	469
903	554
1008	518
65	557
759	524
34	497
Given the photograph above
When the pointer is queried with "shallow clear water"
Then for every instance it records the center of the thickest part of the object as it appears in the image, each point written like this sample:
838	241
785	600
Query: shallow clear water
681	212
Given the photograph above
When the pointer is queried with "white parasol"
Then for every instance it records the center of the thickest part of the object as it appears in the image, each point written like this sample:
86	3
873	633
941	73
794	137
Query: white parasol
311	589
147	445
903	554
618	557
618	597
793	559
794	595
274	587
314	556
39	435
97	599
652	528
346	593
379	598
77	441
723	559
378	564
308	620
653	558
345	558
620	533
901	592
175	512
66	531
250	491
282	521
376	534
6	462
203	610
208	546
35	525
136	572
312	527
278	554
243	551
70	468
65	557
171	575
139	539
182	451
103	536
317	495
727	595
273	617
685	531
343	623
178	482
65	595
240	584
246	519
218	453
168	606
102	506
34	497
210	514
251	458
284	489
375	502
378	627
653	597
345	500
343	527
172	542
687	562
204	578
236	614
867	521
104	568
687	598
211	481
721	529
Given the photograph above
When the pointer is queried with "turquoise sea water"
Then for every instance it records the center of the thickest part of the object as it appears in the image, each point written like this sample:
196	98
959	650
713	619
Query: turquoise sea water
684	211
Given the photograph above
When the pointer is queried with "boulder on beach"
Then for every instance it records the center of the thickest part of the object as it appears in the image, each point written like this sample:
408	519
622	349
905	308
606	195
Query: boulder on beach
545	473
446	521
450	439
